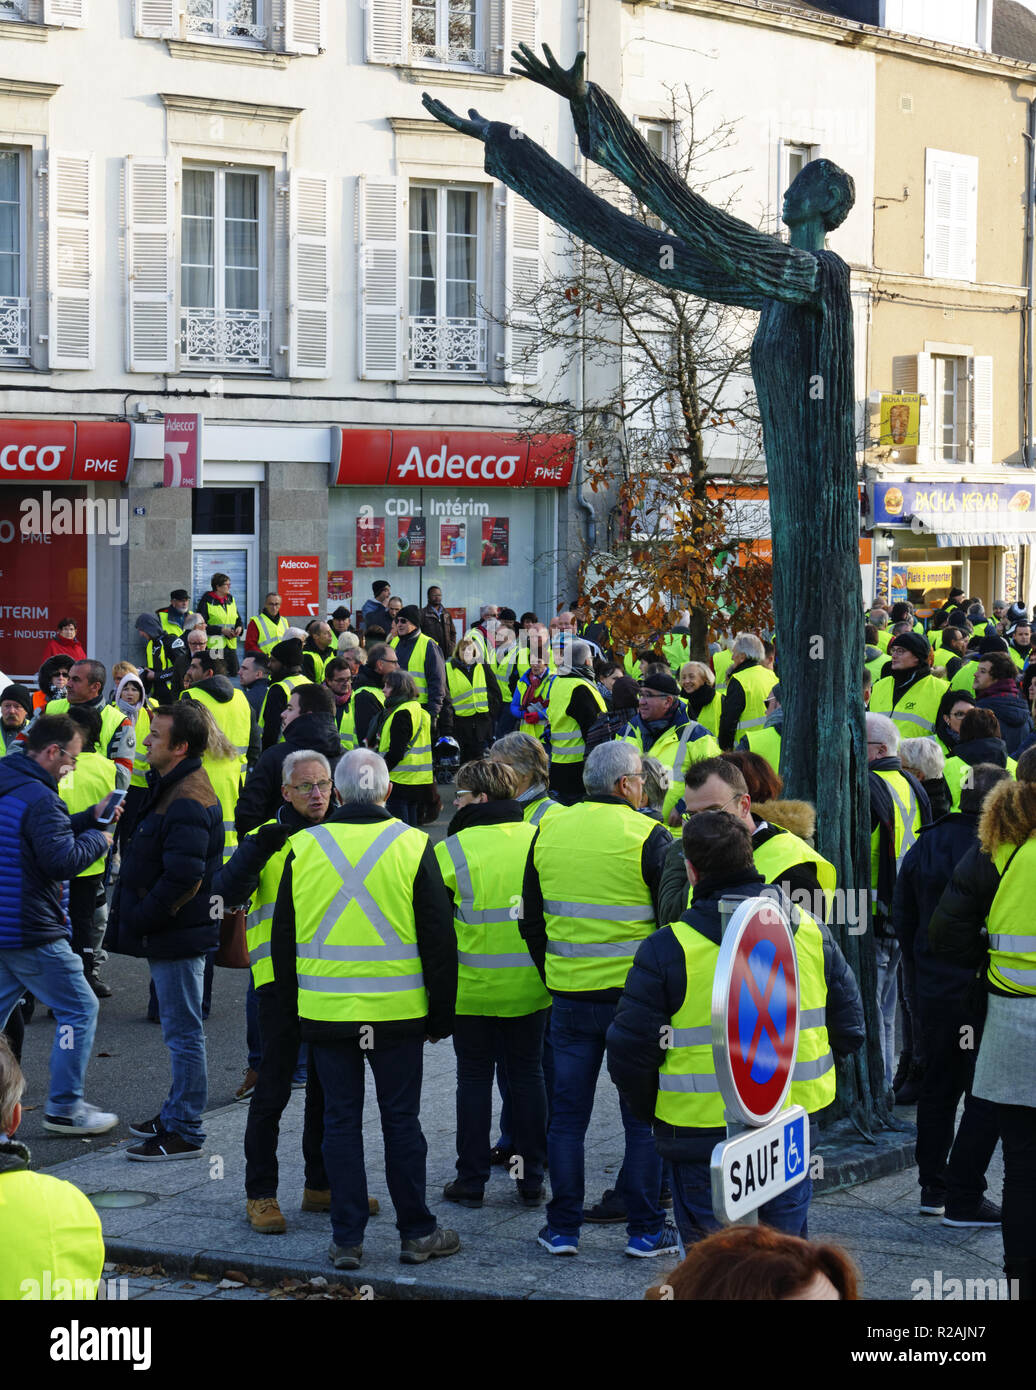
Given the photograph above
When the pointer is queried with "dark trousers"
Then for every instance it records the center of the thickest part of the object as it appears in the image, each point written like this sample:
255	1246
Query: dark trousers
692	1204
478	1041
398	1066
505	1141
566	779
1018	1131
279	1034
401	808
82	903
473	733
953	1167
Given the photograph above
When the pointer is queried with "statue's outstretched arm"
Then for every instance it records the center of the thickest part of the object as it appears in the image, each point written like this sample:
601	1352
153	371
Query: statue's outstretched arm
529	170
738	251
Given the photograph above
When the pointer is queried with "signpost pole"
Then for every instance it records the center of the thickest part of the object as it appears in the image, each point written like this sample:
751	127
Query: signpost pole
734	1127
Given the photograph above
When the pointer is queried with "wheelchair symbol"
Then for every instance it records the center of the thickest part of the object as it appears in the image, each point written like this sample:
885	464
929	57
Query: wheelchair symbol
793	1158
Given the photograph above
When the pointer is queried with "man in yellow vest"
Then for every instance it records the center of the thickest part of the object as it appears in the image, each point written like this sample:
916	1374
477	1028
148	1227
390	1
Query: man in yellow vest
364	952
588	900
267	627
285	674
661	729
660	1045
86	682
318	651
676	646
766	740
502	1003
252	876
911	694
50	1234
574	702
422	659
228	707
89	783
899	808
748	683
880	619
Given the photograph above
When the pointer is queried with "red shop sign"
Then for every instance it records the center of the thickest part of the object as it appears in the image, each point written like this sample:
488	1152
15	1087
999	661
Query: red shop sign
62	451
449	458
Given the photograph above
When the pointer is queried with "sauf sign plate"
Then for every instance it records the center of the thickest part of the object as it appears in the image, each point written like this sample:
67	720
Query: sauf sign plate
755	1167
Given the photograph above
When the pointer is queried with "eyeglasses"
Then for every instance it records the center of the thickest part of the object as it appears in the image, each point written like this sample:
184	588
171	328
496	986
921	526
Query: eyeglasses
736	797
67	754
306	787
463	791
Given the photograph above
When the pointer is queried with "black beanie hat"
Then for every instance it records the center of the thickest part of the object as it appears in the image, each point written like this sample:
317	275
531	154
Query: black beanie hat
411	613
19	693
288	652
912	642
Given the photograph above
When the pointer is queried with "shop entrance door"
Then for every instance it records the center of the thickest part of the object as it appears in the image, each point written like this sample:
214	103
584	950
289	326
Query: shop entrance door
224	540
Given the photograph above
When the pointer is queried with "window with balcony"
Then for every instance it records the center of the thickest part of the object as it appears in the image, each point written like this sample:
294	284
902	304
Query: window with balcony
14	9
14	299
238	21
224	322
445	31
447	334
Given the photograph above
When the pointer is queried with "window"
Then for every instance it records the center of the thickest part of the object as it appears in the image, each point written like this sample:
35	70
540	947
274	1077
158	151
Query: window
14	9
951	215
237	20
447	335
445	31
223	319
14	301
950	409
659	137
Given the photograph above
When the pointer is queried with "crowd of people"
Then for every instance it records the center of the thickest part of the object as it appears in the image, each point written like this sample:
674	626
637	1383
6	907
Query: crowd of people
605	803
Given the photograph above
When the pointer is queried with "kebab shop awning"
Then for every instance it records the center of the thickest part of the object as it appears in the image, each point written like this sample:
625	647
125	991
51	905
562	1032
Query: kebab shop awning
959	514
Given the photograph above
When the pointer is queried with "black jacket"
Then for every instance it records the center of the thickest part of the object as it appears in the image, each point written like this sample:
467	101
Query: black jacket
655	989
436	945
276	704
162	906
957	928
532	923
924	876
883	820
439	629
733	705
1014	716
239	877
261	795
434	671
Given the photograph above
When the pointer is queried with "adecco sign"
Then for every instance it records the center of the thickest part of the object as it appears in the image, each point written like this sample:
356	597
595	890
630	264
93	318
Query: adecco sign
436	458
62	451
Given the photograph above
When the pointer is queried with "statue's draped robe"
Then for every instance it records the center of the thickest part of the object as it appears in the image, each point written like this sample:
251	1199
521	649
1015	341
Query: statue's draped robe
802	365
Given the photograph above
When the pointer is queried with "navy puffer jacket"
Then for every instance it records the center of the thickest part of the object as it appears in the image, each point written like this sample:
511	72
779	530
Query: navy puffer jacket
41	848
163	906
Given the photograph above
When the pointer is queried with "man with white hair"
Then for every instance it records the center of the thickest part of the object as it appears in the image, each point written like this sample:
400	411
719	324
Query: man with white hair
364	951
880	619
573	703
899	808
588	900
483	633
253	875
748	684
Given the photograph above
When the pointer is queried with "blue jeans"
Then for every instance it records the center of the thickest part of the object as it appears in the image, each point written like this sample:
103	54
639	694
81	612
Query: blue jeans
692	1204
577	1030
178	987
398	1066
887	954
54	974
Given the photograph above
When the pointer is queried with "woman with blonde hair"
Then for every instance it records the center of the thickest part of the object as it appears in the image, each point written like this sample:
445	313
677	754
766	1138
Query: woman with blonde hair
698	692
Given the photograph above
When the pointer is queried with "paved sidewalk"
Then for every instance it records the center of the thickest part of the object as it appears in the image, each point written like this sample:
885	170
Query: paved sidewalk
195	1219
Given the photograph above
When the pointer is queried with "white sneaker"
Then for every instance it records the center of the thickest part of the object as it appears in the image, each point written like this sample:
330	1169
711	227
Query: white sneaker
86	1119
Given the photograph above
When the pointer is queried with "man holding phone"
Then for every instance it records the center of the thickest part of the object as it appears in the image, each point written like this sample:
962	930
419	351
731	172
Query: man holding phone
41	847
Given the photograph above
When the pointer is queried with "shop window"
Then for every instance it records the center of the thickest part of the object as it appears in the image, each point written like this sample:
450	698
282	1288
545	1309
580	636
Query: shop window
14	295
224	321
447	331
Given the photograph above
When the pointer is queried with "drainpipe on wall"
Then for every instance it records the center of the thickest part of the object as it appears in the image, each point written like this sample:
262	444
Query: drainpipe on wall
1030	195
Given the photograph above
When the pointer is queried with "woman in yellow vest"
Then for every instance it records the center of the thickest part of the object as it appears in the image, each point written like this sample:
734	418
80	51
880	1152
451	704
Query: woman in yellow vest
698	686
474	704
527	758
910	695
502	1003
403	737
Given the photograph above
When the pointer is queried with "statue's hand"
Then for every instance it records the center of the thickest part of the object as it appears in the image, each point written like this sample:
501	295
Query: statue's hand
477	126
567	82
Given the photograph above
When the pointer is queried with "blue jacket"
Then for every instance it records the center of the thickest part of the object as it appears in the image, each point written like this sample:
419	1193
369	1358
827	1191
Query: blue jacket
1014	716
655	989
163	906
41	848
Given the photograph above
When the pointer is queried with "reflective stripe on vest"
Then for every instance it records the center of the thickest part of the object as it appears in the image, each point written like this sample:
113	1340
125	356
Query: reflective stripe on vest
83	786
271	631
813	1075
415	767
756	682
591	944
1012	954
566	738
334	977
483	868
415	663
536	810
468	697
288	684
141	766
259	919
345	720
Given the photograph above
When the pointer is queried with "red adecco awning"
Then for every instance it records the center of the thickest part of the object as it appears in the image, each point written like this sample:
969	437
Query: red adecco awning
448	458
65	451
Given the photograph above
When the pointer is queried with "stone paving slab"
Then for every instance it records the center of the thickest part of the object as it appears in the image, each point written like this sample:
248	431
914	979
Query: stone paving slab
198	1220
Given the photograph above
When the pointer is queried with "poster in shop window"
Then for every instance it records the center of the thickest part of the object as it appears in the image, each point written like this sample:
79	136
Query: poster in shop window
412	542
339	586
496	540
370	542
453	542
460	621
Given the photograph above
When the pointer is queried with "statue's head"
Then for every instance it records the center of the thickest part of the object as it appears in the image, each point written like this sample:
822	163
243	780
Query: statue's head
823	190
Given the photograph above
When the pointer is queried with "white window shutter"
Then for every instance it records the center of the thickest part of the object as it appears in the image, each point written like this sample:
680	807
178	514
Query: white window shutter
498	326
522	282
524	17
309	276
149	265
70	261
382	223
386	31
304	26
71	14
951	215
157	19
498	51
980	370
926	388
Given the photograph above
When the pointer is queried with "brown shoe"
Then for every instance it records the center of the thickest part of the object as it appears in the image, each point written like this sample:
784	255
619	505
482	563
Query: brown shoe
244	1091
314	1200
265	1215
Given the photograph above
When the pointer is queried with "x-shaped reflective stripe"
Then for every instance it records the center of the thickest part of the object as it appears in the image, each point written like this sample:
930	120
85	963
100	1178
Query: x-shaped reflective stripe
354	889
907	812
